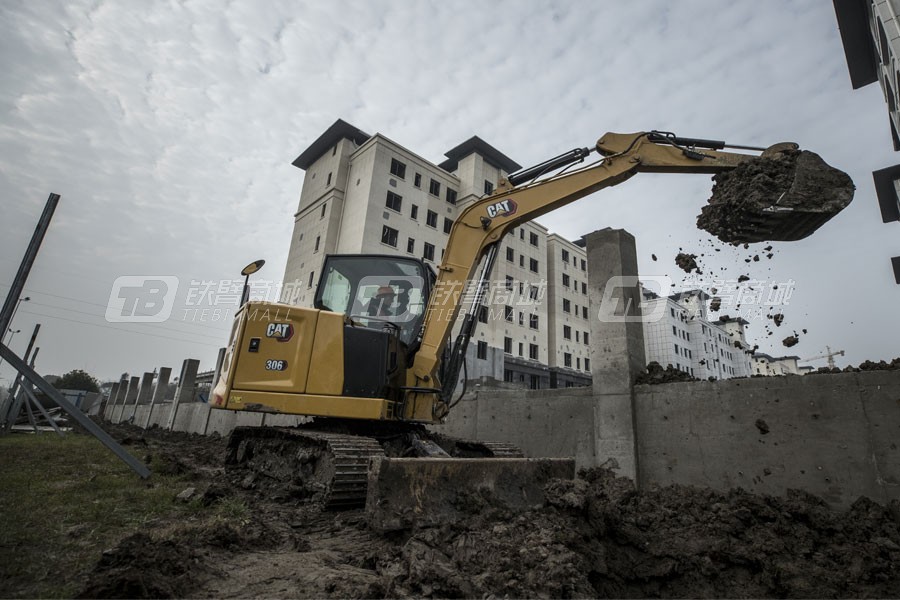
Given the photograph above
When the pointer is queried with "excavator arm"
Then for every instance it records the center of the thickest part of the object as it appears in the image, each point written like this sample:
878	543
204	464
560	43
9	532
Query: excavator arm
481	226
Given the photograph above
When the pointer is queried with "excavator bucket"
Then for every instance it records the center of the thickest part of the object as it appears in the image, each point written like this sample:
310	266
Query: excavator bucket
780	196
407	492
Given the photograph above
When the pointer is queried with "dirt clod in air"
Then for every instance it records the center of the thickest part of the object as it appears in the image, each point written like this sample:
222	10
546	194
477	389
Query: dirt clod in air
786	196
653	256
715	304
790	340
743	278
687	262
779	319
762	426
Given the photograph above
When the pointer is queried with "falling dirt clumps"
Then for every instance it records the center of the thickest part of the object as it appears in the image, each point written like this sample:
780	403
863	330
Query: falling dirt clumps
769	198
715	304
655	374
791	340
687	262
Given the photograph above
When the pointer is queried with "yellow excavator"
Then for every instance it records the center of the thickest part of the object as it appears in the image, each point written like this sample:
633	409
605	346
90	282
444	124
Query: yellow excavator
372	362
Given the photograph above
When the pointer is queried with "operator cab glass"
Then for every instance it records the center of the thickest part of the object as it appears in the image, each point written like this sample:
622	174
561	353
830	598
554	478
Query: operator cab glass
376	291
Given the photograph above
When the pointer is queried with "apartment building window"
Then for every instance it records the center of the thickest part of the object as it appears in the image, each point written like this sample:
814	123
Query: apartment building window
411	245
533	238
585	337
309	283
583	268
414	212
584	312
389	236
533	351
521	347
578	362
522	233
522	260
322	215
451	196
508	376
417	180
398	168
533	292
583	288
334	150
509	283
533	321
672	310
507	345
318	239
567	305
482	314
687	335
567	332
521	318
431	219
565	256
448	225
567	360
488	187
510	255
482	350
508	313
577	336
535	382
565	280
533	265
394	201
674	331
428	251
329	180
434	188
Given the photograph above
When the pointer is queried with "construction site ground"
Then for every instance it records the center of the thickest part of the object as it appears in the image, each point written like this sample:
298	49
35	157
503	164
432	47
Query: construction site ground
76	522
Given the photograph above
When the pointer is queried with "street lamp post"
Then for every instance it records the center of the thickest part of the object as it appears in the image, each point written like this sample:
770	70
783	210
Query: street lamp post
15	310
247	272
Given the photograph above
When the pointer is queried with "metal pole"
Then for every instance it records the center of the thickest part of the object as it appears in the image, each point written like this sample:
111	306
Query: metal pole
41	408
13	413
18	285
73	412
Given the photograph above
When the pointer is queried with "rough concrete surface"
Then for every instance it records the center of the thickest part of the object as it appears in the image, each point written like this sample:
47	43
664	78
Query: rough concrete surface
595	536
783	197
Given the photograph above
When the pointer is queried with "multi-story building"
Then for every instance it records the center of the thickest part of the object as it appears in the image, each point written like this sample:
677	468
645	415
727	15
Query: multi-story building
569	329
770	366
684	337
870	33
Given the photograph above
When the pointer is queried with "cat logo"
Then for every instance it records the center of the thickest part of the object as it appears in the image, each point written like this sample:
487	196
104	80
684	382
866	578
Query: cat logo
280	331
504	208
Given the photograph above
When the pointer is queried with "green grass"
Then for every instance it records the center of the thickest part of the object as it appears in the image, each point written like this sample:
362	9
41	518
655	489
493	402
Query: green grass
63	500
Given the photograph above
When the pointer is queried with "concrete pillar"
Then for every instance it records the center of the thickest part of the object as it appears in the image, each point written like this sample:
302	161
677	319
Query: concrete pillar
159	392
120	395
185	388
130	395
185	391
617	346
109	401
146	391
162	385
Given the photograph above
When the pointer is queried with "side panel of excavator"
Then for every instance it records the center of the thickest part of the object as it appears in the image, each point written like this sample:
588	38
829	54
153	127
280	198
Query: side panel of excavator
304	361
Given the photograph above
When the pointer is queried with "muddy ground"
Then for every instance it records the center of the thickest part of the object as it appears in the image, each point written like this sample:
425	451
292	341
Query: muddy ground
596	537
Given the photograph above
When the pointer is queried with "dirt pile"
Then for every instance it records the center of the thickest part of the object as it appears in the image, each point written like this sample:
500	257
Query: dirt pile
596	536
782	197
655	374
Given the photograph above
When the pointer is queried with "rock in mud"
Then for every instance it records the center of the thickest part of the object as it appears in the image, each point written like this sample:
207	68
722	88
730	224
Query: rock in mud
786	196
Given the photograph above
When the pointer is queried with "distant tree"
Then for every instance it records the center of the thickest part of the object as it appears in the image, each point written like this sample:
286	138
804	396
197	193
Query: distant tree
77	380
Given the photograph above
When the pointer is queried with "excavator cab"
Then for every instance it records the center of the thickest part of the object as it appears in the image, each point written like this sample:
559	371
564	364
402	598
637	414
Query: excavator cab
377	292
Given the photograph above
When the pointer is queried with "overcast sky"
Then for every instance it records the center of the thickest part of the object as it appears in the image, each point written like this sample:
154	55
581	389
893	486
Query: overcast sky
169	129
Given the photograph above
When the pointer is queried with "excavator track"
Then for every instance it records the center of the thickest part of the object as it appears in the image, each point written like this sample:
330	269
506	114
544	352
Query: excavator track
332	466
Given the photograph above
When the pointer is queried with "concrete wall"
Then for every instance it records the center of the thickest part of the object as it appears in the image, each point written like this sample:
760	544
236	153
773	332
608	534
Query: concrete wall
837	436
